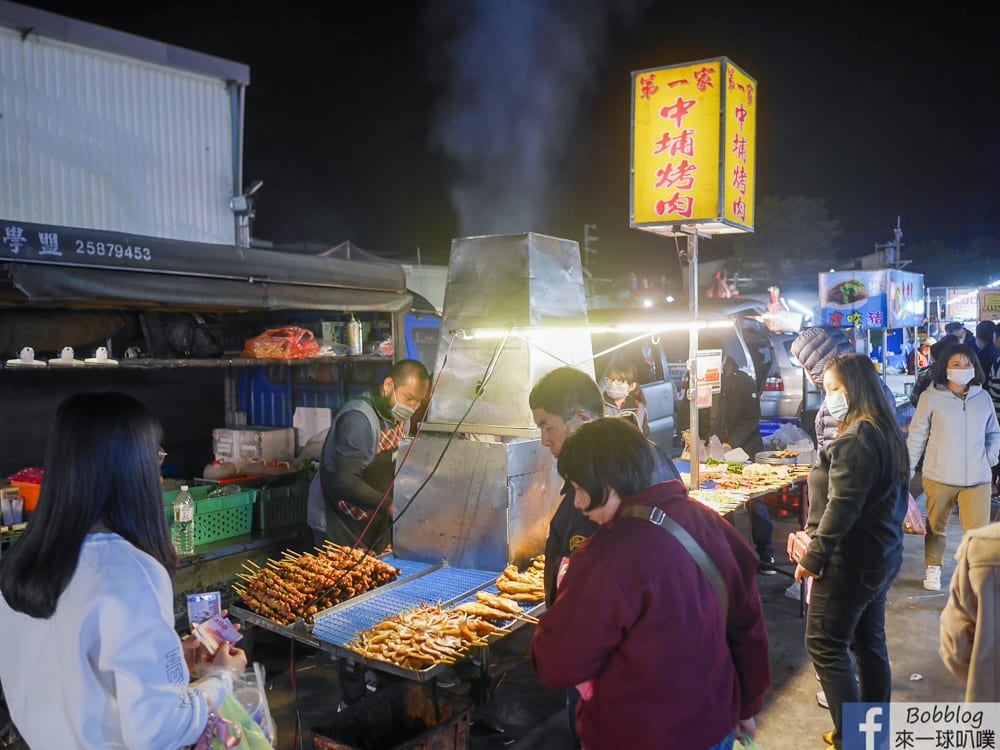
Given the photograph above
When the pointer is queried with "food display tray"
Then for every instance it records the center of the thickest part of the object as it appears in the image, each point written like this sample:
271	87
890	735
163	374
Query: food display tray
420	583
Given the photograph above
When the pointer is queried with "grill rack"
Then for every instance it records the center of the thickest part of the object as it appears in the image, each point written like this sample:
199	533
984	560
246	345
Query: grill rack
419	584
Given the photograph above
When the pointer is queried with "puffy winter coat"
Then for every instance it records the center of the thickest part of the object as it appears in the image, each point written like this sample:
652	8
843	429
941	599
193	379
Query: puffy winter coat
814	347
959	438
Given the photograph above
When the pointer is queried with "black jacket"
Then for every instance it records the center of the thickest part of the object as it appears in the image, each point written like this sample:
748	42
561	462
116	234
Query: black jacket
738	420
857	501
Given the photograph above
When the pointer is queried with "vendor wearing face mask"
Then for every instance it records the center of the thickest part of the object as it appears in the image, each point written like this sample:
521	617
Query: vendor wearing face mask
622	395
358	460
955	429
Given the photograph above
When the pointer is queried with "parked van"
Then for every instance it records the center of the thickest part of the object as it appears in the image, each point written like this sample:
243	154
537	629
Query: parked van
787	385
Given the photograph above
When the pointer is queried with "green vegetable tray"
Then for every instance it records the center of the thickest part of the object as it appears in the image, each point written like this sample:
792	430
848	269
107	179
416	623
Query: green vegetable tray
216	518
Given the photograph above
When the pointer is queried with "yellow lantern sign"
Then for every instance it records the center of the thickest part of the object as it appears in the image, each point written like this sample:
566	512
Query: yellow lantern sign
693	148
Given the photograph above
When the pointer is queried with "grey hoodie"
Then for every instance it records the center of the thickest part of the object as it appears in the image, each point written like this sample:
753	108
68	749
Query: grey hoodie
958	438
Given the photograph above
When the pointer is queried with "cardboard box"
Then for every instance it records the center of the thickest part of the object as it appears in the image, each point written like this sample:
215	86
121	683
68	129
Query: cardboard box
310	421
241	444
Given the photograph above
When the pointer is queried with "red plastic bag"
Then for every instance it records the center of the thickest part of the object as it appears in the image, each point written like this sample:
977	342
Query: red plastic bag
282	343
913	522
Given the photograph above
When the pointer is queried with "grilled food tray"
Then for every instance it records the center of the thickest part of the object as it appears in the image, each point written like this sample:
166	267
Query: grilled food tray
419	583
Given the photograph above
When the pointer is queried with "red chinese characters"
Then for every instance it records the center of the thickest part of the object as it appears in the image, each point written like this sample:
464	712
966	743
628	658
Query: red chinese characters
647	86
680	176
740	208
703	78
678	110
739	177
681	144
740	148
680	205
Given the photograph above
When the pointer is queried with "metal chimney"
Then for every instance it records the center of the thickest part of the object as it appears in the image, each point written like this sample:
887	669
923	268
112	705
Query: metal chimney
488	501
495	283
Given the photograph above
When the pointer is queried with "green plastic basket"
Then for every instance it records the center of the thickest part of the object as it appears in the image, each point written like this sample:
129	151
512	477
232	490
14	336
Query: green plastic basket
216	518
282	506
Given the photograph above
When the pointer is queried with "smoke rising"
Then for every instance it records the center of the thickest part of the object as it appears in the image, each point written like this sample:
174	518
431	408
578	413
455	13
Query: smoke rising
513	75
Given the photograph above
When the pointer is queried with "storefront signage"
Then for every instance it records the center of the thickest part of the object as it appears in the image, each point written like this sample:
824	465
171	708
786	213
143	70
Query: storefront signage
962	304
989	304
693	148
22	241
710	369
884	298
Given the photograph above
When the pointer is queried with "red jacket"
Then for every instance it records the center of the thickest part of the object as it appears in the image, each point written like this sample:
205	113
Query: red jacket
635	614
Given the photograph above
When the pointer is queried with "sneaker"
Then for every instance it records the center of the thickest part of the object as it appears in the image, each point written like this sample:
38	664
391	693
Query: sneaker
767	560
821	700
932	579
828	737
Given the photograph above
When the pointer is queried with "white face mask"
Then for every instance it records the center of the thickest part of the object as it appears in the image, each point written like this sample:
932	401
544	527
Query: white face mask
836	402
400	411
617	390
962	375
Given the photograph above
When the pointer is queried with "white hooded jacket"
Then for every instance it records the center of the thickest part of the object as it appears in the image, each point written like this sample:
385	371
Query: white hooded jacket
958	438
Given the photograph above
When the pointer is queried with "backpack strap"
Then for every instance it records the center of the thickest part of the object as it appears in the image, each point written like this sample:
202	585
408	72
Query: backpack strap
658	517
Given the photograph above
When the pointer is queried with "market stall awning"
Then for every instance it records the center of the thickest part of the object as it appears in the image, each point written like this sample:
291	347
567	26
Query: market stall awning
65	266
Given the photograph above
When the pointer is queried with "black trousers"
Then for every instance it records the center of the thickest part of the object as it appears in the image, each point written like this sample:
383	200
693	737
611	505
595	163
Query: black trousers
848	604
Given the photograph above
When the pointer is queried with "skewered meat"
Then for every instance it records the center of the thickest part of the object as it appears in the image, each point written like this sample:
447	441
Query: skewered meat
526	585
302	584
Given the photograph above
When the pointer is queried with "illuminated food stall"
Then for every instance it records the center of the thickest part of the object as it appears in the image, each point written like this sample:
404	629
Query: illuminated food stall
475	489
882	299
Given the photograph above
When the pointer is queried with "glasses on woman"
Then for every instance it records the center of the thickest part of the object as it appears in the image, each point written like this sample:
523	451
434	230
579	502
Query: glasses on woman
161	454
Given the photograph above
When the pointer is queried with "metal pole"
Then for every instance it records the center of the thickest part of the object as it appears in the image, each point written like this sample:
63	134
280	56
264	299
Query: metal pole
885	342
692	250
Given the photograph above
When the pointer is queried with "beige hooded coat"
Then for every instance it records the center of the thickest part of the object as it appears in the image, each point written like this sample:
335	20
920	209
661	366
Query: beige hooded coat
970	622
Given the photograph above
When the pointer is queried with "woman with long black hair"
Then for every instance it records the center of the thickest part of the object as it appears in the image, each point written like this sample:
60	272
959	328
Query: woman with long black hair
858	497
92	659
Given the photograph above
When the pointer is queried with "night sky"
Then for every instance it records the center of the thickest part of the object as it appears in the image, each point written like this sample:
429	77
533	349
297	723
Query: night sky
403	126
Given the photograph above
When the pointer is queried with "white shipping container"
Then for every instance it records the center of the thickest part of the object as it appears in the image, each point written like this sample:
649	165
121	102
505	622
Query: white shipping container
239	445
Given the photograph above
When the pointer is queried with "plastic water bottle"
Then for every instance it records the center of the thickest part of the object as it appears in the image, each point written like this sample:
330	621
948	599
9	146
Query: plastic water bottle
183	530
355	343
